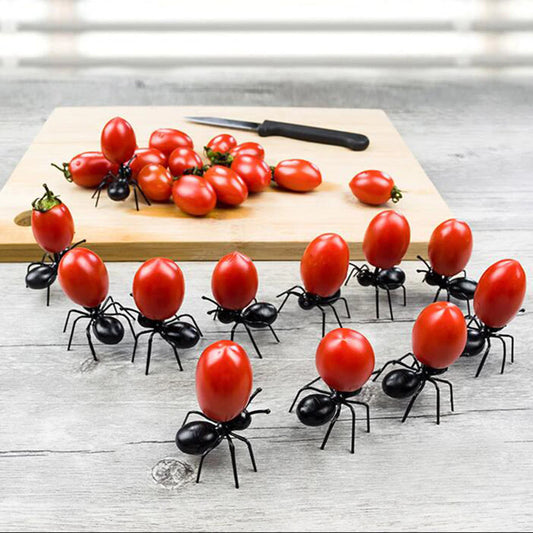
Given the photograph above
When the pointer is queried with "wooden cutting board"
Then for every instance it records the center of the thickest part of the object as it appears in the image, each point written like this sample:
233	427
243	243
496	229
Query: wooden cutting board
274	225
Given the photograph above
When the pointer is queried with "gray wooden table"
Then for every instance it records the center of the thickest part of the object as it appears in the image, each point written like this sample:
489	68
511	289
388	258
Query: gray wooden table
90	446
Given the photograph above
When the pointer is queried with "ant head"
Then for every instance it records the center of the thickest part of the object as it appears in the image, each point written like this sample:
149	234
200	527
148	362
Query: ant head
365	277
196	438
307	300
316	410
108	329
118	190
41	276
227	316
401	383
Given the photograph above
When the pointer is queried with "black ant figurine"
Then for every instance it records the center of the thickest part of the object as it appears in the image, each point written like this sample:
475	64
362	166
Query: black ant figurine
119	186
461	288
410	380
174	331
325	406
202	437
258	315
104	325
308	300
388	280
42	274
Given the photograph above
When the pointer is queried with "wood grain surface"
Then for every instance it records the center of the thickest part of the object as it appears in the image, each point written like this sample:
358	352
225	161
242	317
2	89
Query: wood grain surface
276	224
87	446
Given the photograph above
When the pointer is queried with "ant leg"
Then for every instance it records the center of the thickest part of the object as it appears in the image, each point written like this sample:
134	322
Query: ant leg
287	293
137	186
202	462
137	342
90	341
352	450
346	306
176	354
136	199
199	413
377	303
249	445
304	388
336	315
68	317
504	358
253	395
186	315
48	296
505	335
330	427
253	340
393	362
367	408
468	308
273	332
390	304
72	331
149	353
437	390
411	403
437	294
352	271
404	296
232	333
323	320
483	359
447	296
233	460
440	380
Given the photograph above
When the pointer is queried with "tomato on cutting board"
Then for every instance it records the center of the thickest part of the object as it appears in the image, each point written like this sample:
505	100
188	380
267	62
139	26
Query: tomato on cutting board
229	187
87	169
255	173
374	187
166	140
146	156
248	148
194	195
184	161
118	141
156	182
297	175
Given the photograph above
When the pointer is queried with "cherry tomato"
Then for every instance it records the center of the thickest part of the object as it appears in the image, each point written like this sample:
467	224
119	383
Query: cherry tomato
118	141
324	264
222	143
248	148
51	223
254	172
158	288
439	335
229	186
223	380
374	187
345	359
182	159
297	175
168	139
234	281
83	277
450	247
500	293
386	239
87	169
156	182
146	156
194	195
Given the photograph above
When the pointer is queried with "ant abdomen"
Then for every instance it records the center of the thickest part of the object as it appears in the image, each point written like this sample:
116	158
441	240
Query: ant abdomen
315	410
108	330
41	277
462	288
118	190
196	438
401	383
181	335
392	278
260	314
475	342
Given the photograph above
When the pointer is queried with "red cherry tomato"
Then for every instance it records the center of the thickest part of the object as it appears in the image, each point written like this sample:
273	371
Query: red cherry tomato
156	182
297	175
222	143
146	156
51	223
439	335
118	141
223	380
194	195
248	148
254	172
168	139
158	288
324	264
374	187
182	159
345	359
87	169
386	239
83	277
450	247
500	293
229	186
234	281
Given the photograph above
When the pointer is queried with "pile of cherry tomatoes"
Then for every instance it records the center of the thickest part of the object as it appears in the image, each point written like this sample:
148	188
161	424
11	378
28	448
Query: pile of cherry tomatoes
170	169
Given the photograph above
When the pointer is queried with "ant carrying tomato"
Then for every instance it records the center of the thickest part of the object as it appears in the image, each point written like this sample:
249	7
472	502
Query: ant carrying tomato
323	268
234	286
498	298
345	362
438	339
385	242
449	250
119	144
223	386
158	291
84	279
53	229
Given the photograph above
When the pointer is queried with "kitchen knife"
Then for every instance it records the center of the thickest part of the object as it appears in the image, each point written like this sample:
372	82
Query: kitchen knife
353	141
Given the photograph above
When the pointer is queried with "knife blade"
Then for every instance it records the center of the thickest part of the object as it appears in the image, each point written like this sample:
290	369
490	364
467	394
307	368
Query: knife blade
353	141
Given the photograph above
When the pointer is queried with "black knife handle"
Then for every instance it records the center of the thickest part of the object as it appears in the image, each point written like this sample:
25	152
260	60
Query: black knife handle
353	141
